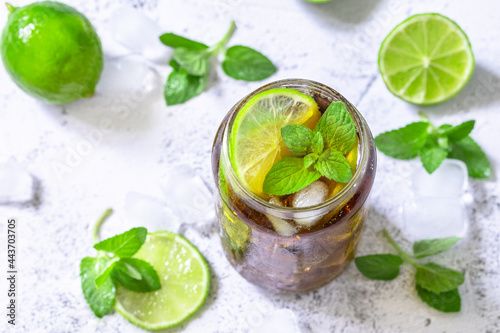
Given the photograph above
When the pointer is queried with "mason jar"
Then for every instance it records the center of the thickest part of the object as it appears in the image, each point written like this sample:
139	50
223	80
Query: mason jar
310	258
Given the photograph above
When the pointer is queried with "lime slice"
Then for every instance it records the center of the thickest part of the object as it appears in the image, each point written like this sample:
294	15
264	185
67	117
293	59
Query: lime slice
427	59
255	144
185	281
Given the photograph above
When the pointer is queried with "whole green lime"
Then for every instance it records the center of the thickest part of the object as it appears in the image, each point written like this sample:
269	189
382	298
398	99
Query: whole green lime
51	51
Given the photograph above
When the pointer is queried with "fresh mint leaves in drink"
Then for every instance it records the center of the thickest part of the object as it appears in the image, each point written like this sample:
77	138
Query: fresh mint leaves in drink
298	139
315	153
436	285
434	145
337	128
333	165
191	65
100	274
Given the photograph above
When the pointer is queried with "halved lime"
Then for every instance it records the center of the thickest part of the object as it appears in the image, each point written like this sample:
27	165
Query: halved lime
184	277
427	59
255	143
352	159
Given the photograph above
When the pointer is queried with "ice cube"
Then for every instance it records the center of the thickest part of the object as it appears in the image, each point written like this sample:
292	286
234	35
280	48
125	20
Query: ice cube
283	320
281	226
188	195
139	34
16	184
434	217
311	195
126	75
450	179
144	211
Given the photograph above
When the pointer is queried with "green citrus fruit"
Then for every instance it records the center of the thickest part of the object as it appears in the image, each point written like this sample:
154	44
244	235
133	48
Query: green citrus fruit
51	51
427	59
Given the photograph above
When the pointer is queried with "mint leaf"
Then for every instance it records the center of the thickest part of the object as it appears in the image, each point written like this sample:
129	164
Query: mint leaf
288	176
337	128
448	301
174	64
100	299
124	245
244	63
379	266
103	277
175	41
468	151
182	86
310	159
459	132
297	138
136	275
194	62
403	143
432	158
317	143
438	279
333	165
428	247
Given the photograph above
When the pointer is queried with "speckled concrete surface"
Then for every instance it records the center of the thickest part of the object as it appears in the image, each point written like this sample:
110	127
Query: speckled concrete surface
336	44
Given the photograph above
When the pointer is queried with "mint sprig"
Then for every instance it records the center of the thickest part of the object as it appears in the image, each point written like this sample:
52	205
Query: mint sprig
315	153
191	65
101	274
436	285
433	145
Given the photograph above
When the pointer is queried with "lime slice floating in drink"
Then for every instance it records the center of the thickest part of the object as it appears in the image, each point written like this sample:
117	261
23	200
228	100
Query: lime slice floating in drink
427	59
184	277
255	142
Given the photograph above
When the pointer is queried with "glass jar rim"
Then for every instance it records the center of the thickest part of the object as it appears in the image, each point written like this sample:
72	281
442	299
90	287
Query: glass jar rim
340	198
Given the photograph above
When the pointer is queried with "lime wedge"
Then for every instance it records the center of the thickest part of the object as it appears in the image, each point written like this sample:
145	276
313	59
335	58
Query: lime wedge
185	281
255	144
427	59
